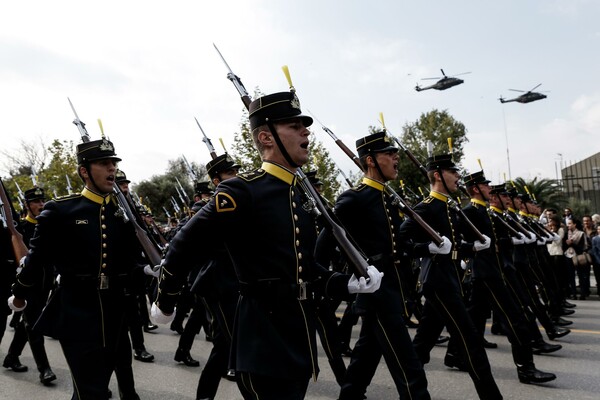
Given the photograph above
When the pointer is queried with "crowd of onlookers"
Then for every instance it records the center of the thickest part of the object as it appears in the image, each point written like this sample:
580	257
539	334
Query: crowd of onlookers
577	255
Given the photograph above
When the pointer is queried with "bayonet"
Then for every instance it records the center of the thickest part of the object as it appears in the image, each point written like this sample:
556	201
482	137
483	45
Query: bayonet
166	212
182	190
85	136
190	171
237	82
206	140
69	188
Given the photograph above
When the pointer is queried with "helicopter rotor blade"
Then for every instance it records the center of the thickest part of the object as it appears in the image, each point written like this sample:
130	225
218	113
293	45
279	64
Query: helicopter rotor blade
462	73
443	73
424	79
516	90
535	87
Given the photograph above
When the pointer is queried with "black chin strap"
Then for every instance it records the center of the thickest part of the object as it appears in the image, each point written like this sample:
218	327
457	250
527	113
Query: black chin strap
480	192
280	145
372	154
444	182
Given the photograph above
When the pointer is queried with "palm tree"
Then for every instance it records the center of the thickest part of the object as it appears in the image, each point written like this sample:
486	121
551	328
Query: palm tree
544	191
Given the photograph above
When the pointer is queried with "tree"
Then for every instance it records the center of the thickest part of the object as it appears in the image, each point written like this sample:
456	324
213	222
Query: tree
543	191
162	190
436	127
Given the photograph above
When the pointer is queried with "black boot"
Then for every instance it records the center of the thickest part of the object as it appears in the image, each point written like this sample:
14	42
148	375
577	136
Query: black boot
557	332
566	311
454	361
12	362
142	355
560	321
185	357
530	374
489	345
47	376
567	304
541	347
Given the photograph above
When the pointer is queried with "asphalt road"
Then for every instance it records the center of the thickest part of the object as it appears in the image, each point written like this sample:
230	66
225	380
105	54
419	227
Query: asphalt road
577	366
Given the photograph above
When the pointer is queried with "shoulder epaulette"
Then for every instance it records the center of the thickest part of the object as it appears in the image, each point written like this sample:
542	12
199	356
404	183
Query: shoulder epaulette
249	176
68	197
427	200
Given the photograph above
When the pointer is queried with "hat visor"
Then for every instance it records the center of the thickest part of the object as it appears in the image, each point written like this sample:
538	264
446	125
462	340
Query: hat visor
386	149
115	158
306	120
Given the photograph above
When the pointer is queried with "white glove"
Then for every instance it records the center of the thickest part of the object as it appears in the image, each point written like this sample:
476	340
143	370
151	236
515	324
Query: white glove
11	305
541	242
152	271
518	240
159	317
443	248
530	238
556	237
21	265
478	246
463	265
361	285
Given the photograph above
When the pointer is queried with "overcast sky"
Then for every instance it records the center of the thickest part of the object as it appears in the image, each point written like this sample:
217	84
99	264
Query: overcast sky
147	68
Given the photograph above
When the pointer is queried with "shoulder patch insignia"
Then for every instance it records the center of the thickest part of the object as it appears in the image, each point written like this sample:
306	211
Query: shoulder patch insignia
248	176
224	202
68	197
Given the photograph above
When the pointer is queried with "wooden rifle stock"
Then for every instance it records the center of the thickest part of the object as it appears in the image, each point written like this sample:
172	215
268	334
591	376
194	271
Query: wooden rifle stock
16	238
504	223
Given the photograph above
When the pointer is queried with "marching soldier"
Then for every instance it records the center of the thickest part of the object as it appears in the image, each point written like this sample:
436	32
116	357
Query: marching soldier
270	237
488	286
373	221
439	278
95	251
217	284
34	203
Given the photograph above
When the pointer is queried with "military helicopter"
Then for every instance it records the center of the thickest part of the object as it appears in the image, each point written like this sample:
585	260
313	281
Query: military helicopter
444	82
526	97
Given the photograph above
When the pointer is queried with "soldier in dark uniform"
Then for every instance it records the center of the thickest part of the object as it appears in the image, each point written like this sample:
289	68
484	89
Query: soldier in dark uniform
34	203
270	238
373	221
440	280
95	252
488	286
217	285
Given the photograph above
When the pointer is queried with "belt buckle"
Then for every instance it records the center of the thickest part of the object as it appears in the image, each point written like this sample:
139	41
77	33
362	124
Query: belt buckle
103	282
302	291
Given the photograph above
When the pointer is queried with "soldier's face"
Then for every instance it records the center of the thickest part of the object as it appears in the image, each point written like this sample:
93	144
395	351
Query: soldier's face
388	162
495	201
35	207
294	136
451	178
101	175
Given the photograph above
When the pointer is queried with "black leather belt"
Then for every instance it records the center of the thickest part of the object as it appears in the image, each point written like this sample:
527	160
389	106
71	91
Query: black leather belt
102	282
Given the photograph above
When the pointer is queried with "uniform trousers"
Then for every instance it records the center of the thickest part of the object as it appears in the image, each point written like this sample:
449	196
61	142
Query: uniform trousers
261	387
222	314
495	292
327	329
447	308
384	334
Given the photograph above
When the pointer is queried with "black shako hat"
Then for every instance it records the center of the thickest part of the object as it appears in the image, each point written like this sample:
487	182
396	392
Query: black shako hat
498	189
376	143
313	178
441	161
120	177
220	164
96	150
203	188
475	178
276	107
524	197
35	193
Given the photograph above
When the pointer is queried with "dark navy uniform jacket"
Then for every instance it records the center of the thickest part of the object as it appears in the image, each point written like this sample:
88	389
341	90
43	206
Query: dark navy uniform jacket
503	239
444	268
486	263
368	206
270	238
83	239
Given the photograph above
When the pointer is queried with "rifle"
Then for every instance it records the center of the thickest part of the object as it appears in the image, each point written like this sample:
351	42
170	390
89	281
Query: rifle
451	202
313	201
166	212
124	209
16	238
397	200
175	206
206	140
